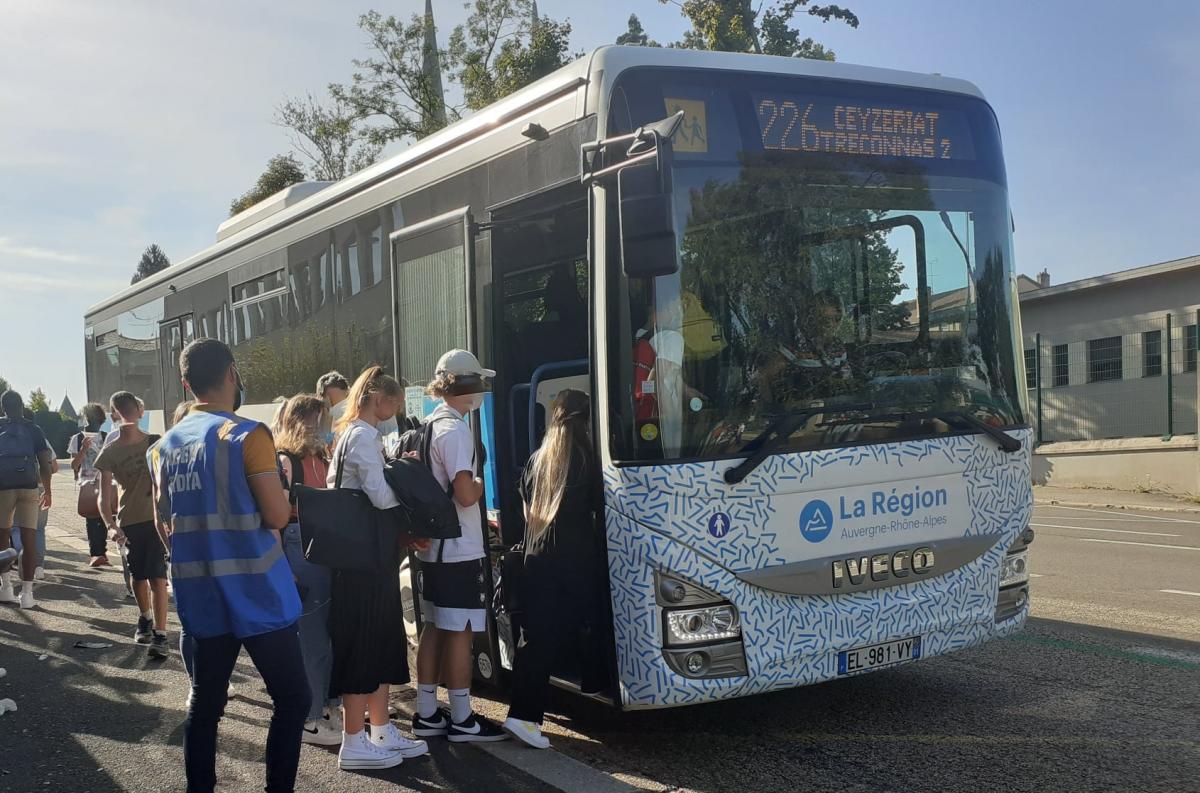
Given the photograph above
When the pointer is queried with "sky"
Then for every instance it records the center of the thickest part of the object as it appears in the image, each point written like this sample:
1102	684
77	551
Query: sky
130	122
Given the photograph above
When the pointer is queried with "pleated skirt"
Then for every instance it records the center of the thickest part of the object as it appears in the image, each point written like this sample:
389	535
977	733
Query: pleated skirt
366	630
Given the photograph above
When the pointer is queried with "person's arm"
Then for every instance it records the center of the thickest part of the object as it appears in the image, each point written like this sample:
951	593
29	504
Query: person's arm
262	474
364	455
77	450
108	505
468	489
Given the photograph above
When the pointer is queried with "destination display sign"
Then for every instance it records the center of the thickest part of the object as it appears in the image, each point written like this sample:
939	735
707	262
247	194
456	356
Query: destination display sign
793	122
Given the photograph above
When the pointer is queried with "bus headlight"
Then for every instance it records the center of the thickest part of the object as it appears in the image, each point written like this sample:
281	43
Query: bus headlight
697	626
1015	569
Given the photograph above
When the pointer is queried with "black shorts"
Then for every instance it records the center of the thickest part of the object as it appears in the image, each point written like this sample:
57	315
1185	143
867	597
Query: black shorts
147	556
453	595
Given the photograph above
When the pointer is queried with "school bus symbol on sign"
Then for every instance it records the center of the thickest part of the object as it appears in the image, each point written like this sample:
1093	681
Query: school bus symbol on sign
692	135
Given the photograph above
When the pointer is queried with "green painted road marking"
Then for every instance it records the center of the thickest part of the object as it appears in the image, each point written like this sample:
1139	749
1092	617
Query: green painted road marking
1110	652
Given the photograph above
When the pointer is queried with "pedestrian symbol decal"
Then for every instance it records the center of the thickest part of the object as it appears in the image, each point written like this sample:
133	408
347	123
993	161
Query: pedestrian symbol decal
816	520
719	524
692	135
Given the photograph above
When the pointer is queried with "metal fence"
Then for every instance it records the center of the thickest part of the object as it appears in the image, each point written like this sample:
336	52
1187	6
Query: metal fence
1128	379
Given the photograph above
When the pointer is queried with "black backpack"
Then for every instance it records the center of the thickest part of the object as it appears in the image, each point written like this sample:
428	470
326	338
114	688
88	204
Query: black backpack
18	455
427	509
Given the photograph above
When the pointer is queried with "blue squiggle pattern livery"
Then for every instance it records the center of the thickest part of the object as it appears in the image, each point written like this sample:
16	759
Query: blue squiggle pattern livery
657	519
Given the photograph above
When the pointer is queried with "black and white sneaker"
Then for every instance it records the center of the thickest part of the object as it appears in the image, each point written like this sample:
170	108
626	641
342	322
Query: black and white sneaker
145	631
476	729
158	646
435	725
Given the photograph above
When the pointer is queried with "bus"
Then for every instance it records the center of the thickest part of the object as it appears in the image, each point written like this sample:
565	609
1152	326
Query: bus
788	286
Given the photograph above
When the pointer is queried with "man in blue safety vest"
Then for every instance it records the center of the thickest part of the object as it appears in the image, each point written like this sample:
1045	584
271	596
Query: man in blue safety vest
220	494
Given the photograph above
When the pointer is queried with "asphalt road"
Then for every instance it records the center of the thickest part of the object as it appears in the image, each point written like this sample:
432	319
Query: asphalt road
1101	692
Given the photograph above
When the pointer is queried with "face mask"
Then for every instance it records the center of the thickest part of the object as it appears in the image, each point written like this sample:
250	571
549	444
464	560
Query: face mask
241	393
474	401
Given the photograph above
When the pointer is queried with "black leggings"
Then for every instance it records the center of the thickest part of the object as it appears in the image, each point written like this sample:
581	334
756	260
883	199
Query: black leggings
558	601
97	536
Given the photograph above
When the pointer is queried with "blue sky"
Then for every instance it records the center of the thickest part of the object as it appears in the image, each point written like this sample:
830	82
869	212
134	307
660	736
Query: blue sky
129	122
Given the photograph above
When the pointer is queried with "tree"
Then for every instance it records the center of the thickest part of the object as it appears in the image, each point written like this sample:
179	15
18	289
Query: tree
503	47
635	35
746	26
330	136
282	170
153	260
394	85
38	401
4	386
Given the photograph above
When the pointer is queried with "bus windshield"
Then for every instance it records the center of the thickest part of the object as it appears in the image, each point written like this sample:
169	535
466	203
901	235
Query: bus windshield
844	253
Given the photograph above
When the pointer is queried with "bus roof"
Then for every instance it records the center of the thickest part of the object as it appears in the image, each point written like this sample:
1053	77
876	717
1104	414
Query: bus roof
601	66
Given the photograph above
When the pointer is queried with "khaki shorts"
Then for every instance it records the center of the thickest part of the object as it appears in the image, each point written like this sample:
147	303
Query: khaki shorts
20	508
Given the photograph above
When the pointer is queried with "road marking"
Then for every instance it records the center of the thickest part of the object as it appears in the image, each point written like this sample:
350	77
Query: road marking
1129	519
1146	544
1180	592
1092	528
1037	575
1116	512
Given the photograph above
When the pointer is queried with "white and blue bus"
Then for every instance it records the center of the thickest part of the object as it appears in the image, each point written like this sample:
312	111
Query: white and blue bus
788	286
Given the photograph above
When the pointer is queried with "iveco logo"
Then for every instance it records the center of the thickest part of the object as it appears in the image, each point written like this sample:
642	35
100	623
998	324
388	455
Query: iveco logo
882	566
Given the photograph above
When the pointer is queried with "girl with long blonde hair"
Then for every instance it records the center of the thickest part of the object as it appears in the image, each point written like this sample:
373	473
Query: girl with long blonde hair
562	551
366	621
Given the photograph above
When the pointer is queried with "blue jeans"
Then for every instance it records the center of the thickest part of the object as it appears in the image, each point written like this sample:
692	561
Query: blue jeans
316	589
276	655
15	531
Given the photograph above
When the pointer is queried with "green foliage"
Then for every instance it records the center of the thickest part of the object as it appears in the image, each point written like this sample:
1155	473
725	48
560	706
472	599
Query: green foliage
37	401
746	26
331	136
635	35
282	170
153	260
393	85
503	48
57	429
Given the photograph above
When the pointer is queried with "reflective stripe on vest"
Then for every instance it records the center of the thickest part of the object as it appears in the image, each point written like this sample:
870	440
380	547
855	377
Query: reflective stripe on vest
230	573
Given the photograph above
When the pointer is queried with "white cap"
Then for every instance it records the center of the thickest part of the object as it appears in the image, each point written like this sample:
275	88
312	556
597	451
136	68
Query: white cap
668	345
462	362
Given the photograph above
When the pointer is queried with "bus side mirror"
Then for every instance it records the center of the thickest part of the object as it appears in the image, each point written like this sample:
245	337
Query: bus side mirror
646	206
649	247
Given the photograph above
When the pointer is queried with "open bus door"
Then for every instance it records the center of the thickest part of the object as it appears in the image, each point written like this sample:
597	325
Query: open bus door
433	299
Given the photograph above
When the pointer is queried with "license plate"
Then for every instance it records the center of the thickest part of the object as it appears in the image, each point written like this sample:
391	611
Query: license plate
860	659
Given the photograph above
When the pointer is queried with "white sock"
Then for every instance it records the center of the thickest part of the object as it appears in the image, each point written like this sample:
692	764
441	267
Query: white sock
460	704
427	703
148	614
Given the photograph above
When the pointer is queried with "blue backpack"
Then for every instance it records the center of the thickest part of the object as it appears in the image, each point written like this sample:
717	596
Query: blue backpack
18	455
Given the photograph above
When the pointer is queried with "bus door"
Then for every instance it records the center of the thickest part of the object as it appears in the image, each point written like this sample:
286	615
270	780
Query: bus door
541	326
433	299
173	336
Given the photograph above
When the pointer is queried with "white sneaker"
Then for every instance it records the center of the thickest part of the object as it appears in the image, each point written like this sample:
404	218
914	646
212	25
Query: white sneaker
39	574
388	737
6	591
333	716
526	732
27	601
320	733
360	752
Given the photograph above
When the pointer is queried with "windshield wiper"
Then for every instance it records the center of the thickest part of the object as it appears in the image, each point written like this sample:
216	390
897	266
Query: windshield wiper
1007	442
777	433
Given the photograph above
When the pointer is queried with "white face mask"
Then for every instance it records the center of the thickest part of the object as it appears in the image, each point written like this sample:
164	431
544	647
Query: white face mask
474	402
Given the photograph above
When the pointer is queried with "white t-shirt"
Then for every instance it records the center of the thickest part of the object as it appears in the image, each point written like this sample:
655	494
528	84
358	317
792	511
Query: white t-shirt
451	450
87	467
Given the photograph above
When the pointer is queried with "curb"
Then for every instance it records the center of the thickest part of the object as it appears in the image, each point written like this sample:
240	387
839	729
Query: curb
1099	505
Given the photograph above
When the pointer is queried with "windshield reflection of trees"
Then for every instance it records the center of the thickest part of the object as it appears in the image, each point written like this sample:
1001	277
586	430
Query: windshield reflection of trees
796	268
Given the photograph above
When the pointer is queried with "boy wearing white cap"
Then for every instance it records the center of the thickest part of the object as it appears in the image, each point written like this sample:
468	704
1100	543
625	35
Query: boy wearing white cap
450	579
